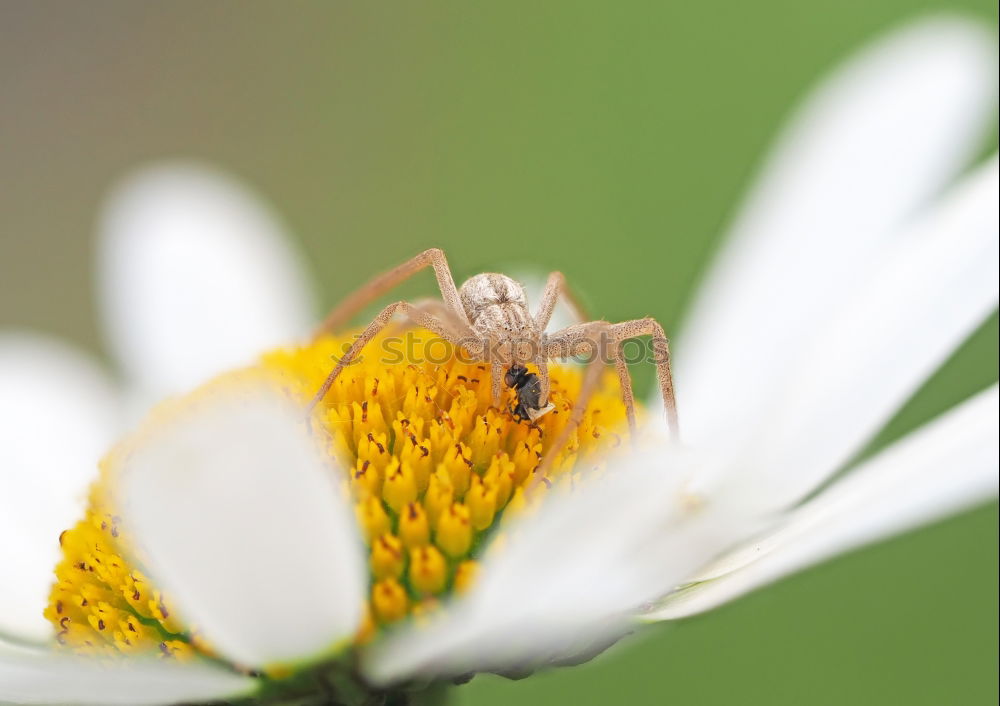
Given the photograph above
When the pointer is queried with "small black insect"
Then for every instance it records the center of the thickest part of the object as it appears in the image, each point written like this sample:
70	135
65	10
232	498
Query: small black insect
529	392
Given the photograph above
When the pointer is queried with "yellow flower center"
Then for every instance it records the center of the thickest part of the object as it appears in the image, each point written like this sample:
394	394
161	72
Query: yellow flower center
431	464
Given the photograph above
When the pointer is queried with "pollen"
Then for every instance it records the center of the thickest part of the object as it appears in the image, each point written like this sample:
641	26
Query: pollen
432	465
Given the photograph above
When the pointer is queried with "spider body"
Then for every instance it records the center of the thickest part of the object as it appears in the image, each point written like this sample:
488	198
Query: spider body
497	308
490	318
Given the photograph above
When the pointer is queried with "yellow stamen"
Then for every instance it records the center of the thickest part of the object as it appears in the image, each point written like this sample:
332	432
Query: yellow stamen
387	557
428	570
431	464
389	601
454	531
482	503
413	526
373	519
400	487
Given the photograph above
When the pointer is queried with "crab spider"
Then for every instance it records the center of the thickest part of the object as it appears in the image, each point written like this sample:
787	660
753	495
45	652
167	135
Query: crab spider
489	317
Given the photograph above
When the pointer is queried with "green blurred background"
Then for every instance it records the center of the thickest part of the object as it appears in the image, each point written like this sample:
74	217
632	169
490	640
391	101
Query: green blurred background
609	140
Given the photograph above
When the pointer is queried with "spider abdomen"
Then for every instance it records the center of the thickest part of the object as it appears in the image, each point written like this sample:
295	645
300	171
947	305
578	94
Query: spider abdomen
498	310
490	289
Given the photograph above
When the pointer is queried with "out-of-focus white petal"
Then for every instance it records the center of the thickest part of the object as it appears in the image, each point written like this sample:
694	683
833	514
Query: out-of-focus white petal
931	292
567	576
196	276
57	416
241	520
878	138
41	677
948	465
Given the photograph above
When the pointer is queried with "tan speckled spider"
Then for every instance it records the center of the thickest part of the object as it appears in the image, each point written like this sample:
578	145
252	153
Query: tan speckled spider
489	318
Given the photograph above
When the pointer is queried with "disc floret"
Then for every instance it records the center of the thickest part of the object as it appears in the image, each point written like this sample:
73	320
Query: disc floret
432	466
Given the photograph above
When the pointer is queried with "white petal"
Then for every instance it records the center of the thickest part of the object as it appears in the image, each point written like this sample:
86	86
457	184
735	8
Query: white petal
244	525
879	137
38	677
933	290
57	416
947	466
567	576
196	275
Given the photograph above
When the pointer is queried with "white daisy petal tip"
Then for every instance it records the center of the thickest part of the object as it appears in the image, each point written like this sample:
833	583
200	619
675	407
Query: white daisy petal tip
196	276
959	45
58	413
877	138
972	42
45	677
243	522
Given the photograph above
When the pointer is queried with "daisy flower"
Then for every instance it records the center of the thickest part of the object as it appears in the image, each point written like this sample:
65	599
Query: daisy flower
393	542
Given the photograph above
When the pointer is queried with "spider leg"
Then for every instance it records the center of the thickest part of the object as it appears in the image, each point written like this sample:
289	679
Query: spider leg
419	316
543	373
575	338
445	316
591	338
625	382
496	381
648	326
578	339
555	287
383	283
